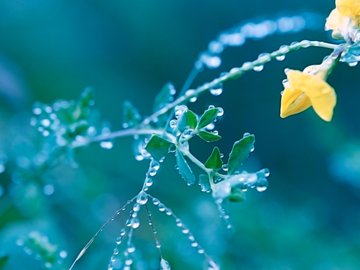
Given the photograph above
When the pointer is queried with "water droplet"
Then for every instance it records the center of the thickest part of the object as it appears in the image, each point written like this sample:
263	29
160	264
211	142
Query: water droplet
142	198
261	184
149	182
189	92
173	124
122	232
156	201
246	134
185	231
352	64
179	223
220	112
45	122
284	49
131	248
210	126
135	223
179	110
37	109
161	207
216	91
305	43
193	99
118	240
106	145
225	167
152	172
246	66
164	264
264	57
128	262
215	47
48	189
280	57
63	254
258	68
194	244
211	61
136	206
212	265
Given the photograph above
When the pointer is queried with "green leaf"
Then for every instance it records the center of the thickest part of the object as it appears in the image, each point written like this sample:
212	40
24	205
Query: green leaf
83	105
158	147
214	161
236	195
240	152
87	98
184	169
131	116
188	120
3	261
164	96
208	117
208	136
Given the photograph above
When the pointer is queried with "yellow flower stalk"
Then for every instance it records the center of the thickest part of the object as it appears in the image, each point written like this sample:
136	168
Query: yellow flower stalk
303	90
344	20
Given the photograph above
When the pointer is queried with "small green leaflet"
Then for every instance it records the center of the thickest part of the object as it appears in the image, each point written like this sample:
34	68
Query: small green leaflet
158	147
208	117
164	96
214	161
208	136
184	169
188	120
87	98
240	152
3	261
131	116
236	195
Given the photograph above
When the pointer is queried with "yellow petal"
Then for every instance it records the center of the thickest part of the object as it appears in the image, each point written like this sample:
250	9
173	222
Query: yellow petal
292	102
350	8
337	23
321	95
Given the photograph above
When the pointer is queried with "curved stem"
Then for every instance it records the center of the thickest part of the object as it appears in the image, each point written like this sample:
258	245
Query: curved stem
124	133
195	160
237	72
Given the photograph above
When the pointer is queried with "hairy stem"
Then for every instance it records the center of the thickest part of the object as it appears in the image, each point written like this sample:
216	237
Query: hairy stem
237	72
124	133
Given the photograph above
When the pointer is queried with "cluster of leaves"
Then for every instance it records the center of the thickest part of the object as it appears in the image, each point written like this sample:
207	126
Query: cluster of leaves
38	245
66	121
177	134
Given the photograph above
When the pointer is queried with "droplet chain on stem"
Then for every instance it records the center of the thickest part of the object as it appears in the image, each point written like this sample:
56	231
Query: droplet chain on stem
232	74
179	223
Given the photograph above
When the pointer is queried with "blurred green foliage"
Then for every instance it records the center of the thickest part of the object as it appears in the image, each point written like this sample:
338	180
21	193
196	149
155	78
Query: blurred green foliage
127	50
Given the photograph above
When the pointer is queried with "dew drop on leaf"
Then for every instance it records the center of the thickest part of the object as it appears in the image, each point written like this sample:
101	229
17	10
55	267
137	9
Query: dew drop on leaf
106	145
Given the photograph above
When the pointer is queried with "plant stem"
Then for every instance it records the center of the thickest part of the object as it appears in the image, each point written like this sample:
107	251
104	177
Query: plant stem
124	133
237	72
194	160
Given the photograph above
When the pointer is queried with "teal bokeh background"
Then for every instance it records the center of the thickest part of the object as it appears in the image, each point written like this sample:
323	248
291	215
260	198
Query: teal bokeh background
127	50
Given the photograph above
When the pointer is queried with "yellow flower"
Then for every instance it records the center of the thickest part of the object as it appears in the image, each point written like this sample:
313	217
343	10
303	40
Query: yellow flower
344	20
349	8
305	89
